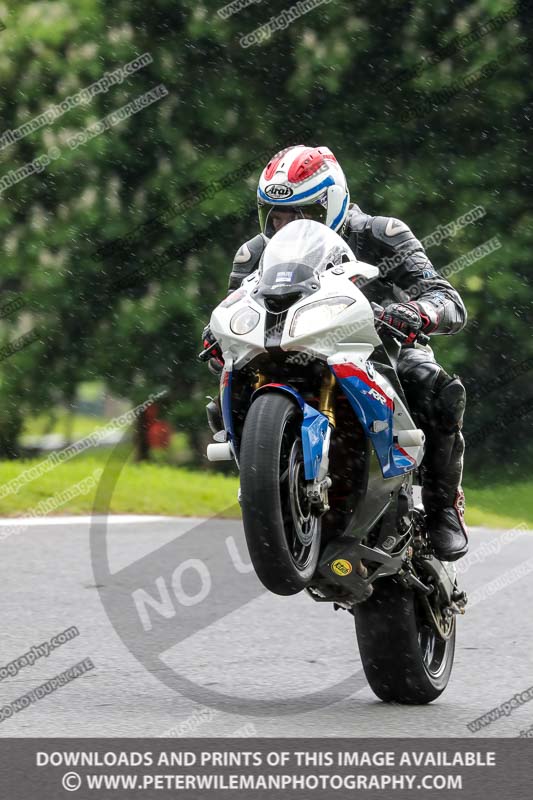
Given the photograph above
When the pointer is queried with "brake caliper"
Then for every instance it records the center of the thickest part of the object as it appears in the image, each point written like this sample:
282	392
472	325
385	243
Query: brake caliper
317	494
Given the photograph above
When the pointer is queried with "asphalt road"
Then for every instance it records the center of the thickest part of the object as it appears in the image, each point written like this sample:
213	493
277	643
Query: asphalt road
290	664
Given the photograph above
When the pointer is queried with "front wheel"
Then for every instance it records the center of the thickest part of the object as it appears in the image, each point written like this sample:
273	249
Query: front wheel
404	658
281	527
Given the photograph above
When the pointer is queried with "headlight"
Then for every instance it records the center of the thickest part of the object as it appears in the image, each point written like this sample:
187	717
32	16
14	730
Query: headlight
244	321
318	315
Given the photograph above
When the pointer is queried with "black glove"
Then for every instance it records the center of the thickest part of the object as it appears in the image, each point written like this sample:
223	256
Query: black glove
405	317
211	351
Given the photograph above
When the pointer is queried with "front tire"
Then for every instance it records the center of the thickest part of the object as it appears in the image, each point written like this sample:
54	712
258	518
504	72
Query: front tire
404	658
282	530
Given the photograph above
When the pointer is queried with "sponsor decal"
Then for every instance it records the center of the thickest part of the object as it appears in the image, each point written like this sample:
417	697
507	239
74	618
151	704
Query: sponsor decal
278	192
341	567
370	371
283	277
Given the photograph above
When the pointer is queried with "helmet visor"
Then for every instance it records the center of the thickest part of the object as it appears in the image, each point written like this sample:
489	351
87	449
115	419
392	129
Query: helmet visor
273	218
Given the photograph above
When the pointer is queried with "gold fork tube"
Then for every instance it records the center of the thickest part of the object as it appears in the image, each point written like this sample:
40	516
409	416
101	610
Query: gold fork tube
327	397
261	380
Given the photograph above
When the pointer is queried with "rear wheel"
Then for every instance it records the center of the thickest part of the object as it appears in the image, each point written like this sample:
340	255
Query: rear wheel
404	657
281	527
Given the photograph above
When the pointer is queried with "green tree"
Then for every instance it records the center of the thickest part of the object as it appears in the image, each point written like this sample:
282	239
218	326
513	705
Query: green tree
119	252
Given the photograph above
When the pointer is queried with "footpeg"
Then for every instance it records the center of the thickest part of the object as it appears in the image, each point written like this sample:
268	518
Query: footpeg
410	580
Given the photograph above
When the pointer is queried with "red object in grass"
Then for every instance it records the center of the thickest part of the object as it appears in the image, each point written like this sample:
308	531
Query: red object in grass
158	432
159	435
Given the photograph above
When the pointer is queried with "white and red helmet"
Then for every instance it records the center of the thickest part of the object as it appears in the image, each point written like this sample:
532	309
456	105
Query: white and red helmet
308	180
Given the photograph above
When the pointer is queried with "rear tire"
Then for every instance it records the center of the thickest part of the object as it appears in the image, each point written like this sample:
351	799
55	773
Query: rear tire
282	531
404	659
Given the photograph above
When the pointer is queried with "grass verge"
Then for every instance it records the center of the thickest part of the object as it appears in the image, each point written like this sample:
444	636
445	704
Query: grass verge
159	489
140	489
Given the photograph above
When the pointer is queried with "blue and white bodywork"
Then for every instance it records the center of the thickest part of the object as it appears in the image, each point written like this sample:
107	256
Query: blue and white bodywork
334	324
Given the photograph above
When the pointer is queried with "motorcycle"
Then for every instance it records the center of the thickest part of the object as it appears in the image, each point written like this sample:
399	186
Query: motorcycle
329	457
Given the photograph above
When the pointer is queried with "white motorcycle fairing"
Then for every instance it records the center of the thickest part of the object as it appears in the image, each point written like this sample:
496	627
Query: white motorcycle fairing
334	324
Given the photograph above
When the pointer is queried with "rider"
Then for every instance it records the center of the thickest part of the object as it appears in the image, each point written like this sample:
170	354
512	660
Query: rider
307	182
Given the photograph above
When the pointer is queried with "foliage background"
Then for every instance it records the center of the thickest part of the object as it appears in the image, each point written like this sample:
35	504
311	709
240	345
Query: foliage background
100	307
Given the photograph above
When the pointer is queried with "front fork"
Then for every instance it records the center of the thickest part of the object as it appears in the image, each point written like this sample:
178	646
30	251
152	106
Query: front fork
326	404
327	397
317	490
317	487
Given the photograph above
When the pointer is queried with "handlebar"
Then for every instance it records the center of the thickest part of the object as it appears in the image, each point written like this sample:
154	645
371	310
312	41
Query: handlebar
205	355
421	338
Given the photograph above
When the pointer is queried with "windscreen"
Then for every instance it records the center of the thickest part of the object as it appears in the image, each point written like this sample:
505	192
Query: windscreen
306	242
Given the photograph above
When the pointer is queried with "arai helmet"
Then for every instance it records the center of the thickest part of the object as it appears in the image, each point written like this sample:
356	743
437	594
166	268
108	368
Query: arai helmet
307	181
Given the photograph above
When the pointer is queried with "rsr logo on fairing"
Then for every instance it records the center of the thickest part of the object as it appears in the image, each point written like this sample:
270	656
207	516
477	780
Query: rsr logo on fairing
277	191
